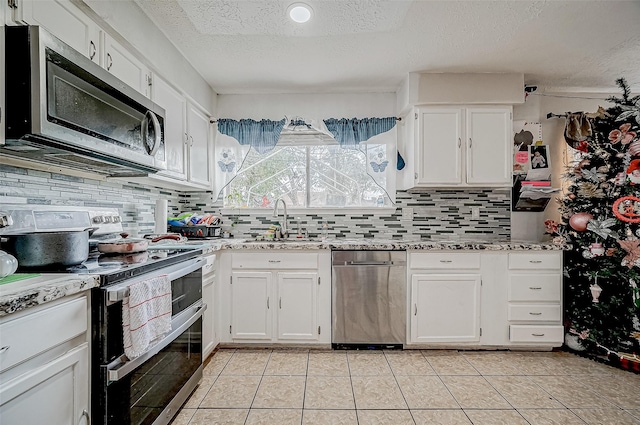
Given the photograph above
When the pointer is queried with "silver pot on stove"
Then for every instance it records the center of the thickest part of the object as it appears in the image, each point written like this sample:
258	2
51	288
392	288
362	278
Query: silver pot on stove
49	249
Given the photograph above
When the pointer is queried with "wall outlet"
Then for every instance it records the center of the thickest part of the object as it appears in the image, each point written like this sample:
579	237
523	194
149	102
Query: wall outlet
407	214
475	213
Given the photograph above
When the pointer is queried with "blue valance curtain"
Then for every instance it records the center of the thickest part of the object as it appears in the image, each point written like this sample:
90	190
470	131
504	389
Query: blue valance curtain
350	132
261	135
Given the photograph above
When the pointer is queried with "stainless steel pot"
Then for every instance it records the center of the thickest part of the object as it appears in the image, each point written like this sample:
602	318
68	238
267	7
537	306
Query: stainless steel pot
45	249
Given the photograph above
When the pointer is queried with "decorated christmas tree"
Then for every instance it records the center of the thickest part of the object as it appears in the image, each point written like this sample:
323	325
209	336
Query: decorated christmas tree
601	222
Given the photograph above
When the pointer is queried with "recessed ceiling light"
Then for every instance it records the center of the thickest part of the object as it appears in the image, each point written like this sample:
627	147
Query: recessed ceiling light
300	12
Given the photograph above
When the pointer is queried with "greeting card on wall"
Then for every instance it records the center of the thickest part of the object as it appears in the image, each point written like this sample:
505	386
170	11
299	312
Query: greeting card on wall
525	134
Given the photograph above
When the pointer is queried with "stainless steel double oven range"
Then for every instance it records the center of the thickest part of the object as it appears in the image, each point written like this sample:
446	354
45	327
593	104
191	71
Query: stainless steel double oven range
148	389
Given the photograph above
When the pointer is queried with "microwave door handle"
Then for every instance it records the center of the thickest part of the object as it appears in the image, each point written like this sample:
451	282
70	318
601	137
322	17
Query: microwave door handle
157	131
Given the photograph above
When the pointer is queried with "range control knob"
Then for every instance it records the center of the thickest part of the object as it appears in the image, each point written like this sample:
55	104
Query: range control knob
107	219
117	219
98	219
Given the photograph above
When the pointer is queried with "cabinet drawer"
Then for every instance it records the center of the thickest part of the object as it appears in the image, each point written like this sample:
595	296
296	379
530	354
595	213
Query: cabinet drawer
276	260
535	333
535	313
535	260
208	268
445	260
35	333
535	287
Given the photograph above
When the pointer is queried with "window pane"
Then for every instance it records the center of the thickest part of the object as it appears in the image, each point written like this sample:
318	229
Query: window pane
338	177
280	173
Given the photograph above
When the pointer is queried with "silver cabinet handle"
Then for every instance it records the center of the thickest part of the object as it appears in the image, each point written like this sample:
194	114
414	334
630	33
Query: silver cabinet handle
445	261
92	50
267	303
535	288
109	61
86	415
191	137
537	334
4	349
274	261
280	302
415	309
470	142
535	261
186	138
535	314
459	142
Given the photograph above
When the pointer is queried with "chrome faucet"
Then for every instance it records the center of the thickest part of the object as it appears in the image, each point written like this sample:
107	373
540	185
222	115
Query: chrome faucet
283	228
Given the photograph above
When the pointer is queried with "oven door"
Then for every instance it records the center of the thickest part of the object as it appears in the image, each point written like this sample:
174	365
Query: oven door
151	388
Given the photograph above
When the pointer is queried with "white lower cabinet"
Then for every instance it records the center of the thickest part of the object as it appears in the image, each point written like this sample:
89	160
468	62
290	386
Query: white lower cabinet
55	393
251	305
297	306
482	299
535	298
209	340
44	364
280	297
445	308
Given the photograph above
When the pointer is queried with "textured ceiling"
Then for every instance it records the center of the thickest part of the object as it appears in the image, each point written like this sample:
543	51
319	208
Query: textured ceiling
242	46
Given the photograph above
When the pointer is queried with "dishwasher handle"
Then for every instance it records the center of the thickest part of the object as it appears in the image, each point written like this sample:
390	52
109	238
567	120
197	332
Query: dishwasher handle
369	263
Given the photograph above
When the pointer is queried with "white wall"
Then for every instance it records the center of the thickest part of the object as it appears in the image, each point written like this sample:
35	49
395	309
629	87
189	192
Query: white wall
309	106
529	226
125	17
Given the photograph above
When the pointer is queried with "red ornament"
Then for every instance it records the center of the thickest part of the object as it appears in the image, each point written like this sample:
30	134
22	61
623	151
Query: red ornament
627	209
578	221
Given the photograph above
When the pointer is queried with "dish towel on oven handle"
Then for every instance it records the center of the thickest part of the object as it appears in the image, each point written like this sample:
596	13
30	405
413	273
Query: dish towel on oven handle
146	314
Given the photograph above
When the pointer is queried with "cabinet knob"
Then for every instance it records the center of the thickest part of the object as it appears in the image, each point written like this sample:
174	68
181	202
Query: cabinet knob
4	349
537	334
109	61
459	142
274	261
267	303
415	309
445	261
535	314
470	142
535	261
535	288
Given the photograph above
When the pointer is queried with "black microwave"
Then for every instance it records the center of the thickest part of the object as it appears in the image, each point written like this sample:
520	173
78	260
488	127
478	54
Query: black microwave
63	109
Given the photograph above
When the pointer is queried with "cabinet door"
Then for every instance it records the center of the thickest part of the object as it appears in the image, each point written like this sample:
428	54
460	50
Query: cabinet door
297	306
251	305
125	66
439	146
55	393
445	308
208	326
175	107
199	147
63	20
488	132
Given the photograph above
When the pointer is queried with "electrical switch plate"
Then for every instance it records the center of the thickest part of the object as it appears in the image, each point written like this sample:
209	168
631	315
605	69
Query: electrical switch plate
407	214
475	213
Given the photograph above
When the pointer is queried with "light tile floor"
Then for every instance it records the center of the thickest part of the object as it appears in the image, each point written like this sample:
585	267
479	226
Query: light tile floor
302	387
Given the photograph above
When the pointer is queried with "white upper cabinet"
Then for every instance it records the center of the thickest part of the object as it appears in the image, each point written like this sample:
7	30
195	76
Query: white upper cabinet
200	149
125	66
65	21
175	108
461	147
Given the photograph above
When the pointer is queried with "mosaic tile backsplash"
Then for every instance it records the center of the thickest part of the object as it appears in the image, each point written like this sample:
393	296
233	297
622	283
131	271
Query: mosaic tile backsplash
437	214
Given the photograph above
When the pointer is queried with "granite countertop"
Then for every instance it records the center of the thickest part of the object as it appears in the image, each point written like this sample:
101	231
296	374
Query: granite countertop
380	244
23	294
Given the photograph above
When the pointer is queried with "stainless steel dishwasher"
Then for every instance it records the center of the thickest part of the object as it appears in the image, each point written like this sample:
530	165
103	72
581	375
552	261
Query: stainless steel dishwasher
369	299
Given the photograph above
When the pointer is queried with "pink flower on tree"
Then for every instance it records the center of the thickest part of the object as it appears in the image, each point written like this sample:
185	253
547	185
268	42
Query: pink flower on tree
623	135
551	226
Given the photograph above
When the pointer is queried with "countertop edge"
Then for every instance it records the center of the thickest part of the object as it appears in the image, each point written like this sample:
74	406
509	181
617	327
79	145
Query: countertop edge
56	287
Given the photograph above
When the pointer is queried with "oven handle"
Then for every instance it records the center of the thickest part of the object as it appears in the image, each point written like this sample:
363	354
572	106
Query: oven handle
117	293
121	367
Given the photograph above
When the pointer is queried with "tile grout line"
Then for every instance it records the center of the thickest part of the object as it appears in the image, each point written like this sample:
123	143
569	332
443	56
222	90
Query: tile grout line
258	387
399	387
353	393
304	391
